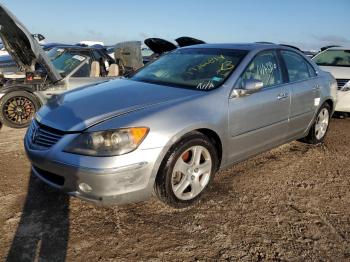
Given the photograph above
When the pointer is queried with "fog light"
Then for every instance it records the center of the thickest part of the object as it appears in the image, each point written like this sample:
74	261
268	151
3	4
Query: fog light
85	187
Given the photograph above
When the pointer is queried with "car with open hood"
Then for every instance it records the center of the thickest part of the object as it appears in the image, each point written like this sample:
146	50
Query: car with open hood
336	60
44	75
177	121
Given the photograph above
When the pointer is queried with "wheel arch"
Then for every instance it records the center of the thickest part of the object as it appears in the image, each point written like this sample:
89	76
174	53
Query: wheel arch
330	102
212	135
8	90
215	140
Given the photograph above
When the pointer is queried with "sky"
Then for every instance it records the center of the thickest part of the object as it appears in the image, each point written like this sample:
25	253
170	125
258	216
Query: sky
308	24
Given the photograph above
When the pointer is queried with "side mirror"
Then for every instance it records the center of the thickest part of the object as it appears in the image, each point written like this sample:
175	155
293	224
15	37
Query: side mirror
249	87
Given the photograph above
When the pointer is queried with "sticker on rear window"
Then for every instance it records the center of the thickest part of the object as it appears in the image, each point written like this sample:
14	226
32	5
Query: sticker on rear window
217	79
78	57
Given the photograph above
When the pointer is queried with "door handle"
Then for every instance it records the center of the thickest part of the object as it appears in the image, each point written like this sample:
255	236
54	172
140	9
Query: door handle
282	96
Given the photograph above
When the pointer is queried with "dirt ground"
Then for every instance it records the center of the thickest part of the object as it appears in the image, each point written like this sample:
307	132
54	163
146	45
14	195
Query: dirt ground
292	203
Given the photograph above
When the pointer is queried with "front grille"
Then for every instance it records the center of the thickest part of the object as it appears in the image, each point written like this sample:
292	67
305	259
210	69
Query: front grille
43	137
53	178
342	83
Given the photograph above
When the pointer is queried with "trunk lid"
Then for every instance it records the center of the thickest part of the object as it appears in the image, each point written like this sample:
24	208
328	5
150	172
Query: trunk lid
159	46
188	41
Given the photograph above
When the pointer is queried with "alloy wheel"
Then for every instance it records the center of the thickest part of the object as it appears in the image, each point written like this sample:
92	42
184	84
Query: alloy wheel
191	173
322	123
19	110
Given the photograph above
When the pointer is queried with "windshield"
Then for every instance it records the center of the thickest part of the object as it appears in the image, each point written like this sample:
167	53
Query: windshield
64	60
333	58
197	68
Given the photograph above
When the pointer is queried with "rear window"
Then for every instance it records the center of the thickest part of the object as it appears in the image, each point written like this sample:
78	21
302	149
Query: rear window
333	58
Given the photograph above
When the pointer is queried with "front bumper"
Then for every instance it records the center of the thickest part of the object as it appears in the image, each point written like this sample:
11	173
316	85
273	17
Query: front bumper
130	180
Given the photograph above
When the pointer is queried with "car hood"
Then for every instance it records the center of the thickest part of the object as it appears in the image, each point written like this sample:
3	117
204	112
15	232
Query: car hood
188	41
338	72
159	46
22	46
84	107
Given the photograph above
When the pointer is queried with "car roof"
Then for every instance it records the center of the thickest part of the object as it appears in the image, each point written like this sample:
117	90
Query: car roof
77	47
338	48
243	46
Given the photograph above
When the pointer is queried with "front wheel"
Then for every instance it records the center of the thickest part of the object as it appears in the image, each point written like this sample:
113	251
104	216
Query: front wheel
186	171
319	129
18	108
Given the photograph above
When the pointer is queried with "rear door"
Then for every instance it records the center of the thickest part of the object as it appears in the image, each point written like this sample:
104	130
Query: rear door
305	91
259	121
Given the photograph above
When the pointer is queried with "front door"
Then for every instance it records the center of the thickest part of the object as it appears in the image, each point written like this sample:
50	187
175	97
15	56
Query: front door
259	121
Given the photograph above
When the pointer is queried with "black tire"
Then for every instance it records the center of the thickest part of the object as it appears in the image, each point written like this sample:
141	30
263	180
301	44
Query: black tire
311	138
163	184
18	108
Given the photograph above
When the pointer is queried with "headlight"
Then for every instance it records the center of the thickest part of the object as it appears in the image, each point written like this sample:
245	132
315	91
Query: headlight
108	143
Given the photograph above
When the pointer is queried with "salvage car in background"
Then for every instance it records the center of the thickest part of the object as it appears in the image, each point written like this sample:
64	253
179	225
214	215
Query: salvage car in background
336	60
45	74
9	65
177	121
161	46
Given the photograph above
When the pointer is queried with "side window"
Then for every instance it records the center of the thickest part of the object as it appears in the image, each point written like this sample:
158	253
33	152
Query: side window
298	68
312	71
265	68
84	71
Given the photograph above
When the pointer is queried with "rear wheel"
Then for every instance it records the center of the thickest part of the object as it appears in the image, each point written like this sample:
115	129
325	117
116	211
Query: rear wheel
319	129
18	108
186	171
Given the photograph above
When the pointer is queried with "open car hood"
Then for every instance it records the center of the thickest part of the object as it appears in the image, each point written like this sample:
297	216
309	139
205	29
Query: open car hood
22	46
187	41
159	46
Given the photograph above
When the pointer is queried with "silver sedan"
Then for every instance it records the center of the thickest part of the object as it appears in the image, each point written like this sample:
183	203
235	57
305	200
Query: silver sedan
171	126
